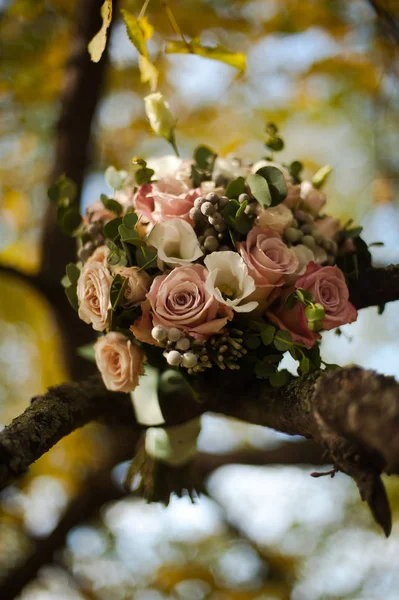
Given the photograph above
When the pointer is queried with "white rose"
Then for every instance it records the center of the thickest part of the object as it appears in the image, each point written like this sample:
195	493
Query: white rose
158	112
231	168
176	242
119	361
171	166
93	289
137	286
276	218
228	280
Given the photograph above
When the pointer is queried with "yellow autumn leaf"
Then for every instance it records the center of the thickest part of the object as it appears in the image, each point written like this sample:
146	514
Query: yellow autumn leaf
238	60
148	72
139	31
97	45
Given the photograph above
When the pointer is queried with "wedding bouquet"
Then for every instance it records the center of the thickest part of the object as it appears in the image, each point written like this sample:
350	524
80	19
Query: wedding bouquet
207	264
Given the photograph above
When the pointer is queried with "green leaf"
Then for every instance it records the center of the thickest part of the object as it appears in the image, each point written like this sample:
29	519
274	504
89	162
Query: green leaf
111	204
87	352
143	176
65	281
280	378
260	189
117	289
267	334
235	188
251	341
73	273
272	358
146	257
111	228
69	219
97	45
205	158
138	31
282	340
114	178
63	189
243	223
130	235
264	370
304	365
276	182
130	220
72	297
229	212
238	60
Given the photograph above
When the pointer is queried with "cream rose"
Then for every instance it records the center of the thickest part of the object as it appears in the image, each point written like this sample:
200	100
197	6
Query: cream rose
99	255
181	299
119	361
93	289
276	218
137	286
176	242
229	282
171	166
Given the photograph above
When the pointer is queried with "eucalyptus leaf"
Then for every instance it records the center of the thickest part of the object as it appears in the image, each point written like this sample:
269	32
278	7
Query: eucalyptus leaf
87	352
276	182
144	175
205	158
130	220
114	178
251	341
260	189
264	370
111	204
235	188
282	340
280	378
146	257
267	334
111	228
72	297
73	273
69	219
130	236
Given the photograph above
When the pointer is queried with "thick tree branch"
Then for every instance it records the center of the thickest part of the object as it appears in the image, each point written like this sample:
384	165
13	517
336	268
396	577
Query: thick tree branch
375	286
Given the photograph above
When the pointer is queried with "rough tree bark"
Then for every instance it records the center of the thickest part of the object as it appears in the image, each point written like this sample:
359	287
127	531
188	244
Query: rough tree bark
351	412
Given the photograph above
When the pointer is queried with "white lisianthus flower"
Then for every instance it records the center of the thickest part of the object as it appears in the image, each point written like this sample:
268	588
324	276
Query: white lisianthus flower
176	242
228	280
158	112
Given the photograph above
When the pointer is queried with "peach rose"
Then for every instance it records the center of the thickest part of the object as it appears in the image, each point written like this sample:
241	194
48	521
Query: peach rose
99	255
97	212
142	327
93	289
328	287
312	199
119	361
277	218
168	198
137	286
180	299
294	321
328	226
269	260
292	199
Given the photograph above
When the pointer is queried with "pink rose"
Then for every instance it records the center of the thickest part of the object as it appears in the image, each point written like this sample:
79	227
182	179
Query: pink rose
328	287
137	286
119	361
313	199
268	259
142	327
93	289
168	198
328	226
294	321
180	299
